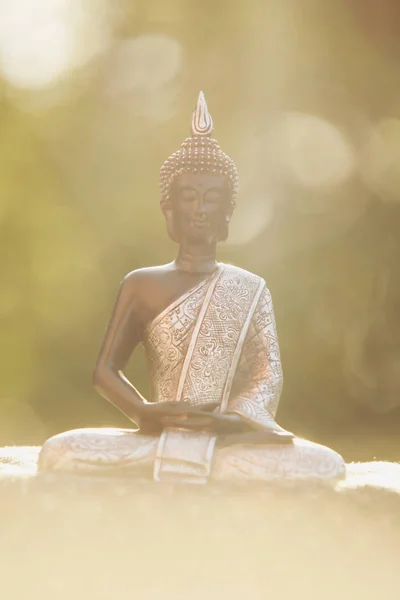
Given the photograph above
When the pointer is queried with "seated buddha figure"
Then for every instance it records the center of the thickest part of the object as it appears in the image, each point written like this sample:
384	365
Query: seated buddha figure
211	344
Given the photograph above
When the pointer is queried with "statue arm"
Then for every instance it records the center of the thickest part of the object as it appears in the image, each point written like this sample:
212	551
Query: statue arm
122	336
259	380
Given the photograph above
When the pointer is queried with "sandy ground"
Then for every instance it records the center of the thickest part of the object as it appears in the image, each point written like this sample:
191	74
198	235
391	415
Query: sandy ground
110	538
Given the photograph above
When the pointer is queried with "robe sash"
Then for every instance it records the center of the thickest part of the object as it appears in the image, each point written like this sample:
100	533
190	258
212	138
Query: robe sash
209	368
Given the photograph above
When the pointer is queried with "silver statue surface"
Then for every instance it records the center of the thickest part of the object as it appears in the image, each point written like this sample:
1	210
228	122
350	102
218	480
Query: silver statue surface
212	350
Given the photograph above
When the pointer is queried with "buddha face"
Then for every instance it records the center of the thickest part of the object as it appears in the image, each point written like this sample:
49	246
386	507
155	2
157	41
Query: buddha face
201	207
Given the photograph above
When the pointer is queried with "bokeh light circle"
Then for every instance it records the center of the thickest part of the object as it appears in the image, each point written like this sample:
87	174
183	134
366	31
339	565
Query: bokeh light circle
145	62
380	159
315	152
42	41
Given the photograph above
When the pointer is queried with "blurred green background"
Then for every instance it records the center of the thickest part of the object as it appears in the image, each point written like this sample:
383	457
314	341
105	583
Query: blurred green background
305	96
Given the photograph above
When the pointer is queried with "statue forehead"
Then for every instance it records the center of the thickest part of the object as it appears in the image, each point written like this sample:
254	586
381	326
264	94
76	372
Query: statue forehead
201	180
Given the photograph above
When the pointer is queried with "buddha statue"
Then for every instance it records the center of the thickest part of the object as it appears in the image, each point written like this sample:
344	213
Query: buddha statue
211	344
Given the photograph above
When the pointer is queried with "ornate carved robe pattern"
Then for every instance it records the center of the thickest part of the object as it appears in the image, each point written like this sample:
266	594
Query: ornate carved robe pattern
193	345
217	343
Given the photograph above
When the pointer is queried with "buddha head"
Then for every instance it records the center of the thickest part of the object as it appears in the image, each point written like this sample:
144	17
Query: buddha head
199	185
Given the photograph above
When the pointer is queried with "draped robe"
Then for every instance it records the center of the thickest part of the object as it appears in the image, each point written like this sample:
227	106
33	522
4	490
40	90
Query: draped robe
216	344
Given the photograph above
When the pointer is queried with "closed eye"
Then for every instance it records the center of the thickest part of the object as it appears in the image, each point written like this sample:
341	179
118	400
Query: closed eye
187	194
213	195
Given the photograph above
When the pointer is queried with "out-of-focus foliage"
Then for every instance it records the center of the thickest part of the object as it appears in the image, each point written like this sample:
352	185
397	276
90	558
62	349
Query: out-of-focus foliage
305	97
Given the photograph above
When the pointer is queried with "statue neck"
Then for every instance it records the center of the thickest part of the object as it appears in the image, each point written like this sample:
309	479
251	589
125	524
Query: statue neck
194	258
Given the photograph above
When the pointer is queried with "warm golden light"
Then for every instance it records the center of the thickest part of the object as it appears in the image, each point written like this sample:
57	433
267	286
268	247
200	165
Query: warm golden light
315	151
380	159
42	41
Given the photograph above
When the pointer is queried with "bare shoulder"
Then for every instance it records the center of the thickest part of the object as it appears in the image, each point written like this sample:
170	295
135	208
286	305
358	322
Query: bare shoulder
147	277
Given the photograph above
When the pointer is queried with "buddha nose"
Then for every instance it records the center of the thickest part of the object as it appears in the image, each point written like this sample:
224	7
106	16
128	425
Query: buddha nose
201	208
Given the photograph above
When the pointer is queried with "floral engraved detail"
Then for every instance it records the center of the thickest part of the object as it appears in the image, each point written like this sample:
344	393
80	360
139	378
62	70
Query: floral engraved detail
206	359
231	298
258	382
209	364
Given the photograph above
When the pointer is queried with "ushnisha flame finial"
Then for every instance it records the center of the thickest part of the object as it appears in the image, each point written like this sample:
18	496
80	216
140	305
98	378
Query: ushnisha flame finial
202	123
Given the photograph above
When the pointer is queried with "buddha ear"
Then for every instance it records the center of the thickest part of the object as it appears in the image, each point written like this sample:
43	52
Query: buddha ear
169	218
224	227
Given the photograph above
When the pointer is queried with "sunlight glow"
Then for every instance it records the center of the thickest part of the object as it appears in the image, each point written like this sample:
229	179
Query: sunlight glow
250	220
145	63
41	41
380	159
315	151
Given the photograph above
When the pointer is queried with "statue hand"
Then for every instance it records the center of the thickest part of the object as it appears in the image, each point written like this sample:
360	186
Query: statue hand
228	423
219	424
158	410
